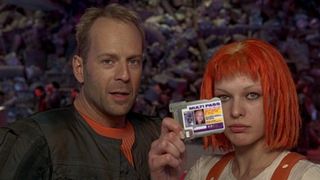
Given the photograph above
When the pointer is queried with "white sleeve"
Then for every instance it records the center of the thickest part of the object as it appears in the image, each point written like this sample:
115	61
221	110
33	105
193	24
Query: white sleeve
305	170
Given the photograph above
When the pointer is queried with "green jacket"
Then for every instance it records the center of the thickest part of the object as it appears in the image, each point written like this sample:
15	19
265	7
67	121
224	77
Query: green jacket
59	144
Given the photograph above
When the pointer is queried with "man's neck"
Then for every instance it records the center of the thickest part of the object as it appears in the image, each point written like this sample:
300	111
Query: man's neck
105	120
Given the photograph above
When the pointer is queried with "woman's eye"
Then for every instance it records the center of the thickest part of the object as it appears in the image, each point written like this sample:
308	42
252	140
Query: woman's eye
223	98
253	96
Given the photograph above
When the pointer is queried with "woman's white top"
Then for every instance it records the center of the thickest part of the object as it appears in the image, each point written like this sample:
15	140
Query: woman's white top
303	170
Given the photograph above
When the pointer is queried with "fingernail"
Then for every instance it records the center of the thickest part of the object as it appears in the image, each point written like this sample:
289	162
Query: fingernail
182	135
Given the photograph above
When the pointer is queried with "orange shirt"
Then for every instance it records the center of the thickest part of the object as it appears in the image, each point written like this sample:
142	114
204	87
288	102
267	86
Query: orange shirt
126	134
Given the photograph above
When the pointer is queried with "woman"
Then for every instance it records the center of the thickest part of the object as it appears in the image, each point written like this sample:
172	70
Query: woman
261	115
199	116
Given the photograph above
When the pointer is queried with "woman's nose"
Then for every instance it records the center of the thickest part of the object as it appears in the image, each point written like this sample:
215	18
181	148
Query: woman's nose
237	109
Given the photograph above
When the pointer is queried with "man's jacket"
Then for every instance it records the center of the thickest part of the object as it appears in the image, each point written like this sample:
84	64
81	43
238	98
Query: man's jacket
59	144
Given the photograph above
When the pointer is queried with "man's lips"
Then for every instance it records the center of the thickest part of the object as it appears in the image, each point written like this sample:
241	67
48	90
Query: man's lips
119	95
238	128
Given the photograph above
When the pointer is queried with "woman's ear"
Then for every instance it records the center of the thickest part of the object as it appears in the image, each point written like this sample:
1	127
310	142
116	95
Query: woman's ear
77	67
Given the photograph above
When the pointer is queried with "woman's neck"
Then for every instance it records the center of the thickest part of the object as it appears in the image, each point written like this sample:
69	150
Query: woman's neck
249	163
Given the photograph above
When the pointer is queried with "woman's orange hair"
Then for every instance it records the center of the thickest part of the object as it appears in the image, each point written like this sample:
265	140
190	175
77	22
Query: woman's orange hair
259	60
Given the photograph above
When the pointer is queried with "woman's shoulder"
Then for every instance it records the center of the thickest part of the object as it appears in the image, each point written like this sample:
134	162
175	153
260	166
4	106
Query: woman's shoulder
306	170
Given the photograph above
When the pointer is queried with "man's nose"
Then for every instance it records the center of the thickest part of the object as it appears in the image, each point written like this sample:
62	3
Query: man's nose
122	72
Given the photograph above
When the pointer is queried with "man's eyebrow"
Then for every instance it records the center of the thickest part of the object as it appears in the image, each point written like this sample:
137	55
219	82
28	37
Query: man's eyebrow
116	56
106	54
136	56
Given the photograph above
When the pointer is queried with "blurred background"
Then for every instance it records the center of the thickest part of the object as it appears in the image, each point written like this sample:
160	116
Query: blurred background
37	42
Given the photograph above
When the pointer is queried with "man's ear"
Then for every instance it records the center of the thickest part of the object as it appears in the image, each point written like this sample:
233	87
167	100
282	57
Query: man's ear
77	67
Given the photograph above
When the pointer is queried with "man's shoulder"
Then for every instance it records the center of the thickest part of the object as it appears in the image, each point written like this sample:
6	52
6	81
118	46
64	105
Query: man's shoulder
53	114
26	127
22	135
35	125
23	149
56	120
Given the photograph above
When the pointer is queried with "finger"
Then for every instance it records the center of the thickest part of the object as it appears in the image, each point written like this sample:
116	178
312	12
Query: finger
160	161
170	125
164	146
169	143
175	141
167	147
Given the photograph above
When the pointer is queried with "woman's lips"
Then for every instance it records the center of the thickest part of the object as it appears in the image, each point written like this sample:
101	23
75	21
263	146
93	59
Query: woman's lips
238	128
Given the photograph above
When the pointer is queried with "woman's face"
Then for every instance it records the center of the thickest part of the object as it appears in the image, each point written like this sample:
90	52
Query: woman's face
242	105
199	117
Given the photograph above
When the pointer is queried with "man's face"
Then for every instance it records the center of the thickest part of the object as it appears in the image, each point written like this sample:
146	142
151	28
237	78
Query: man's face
112	70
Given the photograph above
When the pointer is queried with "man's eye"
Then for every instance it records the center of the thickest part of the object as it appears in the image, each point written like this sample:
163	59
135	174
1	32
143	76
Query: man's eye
134	62
253	96
223	98
107	62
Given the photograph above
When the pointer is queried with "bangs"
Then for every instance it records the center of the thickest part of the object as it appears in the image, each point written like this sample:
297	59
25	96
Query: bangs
231	65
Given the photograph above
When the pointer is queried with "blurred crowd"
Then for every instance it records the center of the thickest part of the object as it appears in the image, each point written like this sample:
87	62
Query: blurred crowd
36	44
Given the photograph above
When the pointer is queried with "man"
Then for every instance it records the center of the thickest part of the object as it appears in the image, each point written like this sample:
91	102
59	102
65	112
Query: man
96	138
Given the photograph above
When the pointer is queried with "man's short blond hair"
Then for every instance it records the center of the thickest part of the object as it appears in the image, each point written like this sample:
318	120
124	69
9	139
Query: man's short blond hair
113	11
